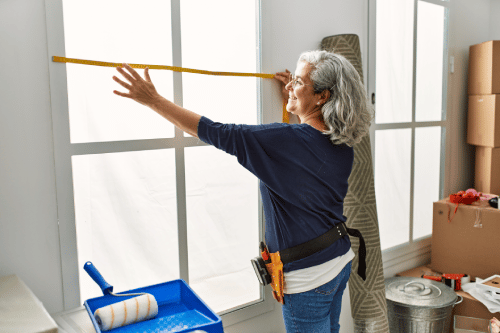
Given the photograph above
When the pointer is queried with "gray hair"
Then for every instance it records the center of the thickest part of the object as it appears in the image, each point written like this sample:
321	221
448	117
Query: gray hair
347	113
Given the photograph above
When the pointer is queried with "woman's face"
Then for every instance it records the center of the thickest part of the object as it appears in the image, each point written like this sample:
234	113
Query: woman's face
301	97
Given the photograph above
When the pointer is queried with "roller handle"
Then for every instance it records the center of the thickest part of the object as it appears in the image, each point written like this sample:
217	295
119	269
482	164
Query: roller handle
97	277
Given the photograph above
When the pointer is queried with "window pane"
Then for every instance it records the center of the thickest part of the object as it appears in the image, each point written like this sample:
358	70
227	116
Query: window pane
96	114
394	68
430	45
223	228
126	218
226	42
427	178
392	185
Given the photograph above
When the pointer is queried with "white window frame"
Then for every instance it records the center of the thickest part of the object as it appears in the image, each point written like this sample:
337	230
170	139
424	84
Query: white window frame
417	251
64	150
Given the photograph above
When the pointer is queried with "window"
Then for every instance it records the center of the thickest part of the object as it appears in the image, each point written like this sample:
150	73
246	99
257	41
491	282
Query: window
408	136
140	199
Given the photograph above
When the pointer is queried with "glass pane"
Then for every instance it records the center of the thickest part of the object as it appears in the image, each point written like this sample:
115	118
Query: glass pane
227	42
427	178
96	114
392	185
430	46
126	218
223	228
394	68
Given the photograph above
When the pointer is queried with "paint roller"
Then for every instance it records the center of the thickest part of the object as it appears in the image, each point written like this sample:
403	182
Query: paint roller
121	313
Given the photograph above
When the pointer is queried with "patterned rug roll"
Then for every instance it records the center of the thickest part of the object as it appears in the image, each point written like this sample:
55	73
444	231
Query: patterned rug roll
368	302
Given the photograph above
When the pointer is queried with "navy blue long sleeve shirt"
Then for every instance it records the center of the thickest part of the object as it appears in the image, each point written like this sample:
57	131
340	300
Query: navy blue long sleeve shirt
303	181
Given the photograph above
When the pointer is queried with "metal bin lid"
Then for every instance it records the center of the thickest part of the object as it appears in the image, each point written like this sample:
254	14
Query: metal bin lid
419	292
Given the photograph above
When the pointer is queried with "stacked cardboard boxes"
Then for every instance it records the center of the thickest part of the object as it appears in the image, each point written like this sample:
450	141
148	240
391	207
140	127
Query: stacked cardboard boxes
483	125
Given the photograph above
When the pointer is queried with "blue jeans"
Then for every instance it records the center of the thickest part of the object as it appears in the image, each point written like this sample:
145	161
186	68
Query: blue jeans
317	310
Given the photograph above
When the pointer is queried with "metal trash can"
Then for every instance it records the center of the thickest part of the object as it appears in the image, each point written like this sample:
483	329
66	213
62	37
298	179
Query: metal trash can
417	305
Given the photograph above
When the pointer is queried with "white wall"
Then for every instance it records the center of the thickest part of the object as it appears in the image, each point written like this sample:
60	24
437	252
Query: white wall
469	25
291	27
494	20
29	239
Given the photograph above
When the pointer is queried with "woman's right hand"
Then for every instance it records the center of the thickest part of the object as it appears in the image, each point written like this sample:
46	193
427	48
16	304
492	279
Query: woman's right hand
140	90
284	78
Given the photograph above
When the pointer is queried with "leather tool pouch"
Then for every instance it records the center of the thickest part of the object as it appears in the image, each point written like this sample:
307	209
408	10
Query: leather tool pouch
269	270
275	269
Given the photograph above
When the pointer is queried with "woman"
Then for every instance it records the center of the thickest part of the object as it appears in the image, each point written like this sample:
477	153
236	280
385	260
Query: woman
303	171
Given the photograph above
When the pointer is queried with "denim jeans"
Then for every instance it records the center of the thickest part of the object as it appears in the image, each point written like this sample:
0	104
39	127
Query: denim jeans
317	310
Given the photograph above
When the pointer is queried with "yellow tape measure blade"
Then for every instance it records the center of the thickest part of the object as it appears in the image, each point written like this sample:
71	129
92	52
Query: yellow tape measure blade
172	68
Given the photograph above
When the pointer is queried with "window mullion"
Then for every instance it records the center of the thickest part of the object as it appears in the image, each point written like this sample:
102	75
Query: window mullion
106	147
443	3
413	117
420	124
179	147
444	117
181	213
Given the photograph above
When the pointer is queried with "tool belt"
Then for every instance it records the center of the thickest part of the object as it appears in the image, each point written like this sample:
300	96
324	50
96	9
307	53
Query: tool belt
269	266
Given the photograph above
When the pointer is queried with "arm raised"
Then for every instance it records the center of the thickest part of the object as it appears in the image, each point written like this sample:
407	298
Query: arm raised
144	92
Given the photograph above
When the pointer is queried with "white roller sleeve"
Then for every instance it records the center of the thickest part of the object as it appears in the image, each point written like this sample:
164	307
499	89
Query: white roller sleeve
123	313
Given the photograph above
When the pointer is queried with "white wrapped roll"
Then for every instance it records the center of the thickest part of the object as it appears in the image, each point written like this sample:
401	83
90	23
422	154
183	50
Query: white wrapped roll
123	313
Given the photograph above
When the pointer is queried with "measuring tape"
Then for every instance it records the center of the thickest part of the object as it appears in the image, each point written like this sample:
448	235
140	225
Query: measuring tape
285	116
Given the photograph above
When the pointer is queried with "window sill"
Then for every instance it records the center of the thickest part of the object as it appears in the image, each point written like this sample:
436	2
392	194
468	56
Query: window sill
407	256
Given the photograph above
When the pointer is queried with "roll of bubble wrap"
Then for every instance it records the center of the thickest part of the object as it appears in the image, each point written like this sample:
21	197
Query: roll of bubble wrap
123	313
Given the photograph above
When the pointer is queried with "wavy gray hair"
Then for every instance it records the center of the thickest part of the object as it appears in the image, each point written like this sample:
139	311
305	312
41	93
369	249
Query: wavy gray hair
347	113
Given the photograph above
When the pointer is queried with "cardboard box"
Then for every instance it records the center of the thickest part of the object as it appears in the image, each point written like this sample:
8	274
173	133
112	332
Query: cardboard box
484	68
459	247
483	120
487	172
470	325
469	307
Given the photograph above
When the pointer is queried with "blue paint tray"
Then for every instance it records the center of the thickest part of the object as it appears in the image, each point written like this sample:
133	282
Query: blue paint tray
179	308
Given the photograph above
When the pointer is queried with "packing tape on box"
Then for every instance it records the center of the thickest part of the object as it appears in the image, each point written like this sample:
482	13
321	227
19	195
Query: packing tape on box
454	281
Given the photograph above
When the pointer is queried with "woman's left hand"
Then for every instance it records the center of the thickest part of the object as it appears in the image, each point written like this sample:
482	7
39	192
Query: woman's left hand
284	78
140	90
